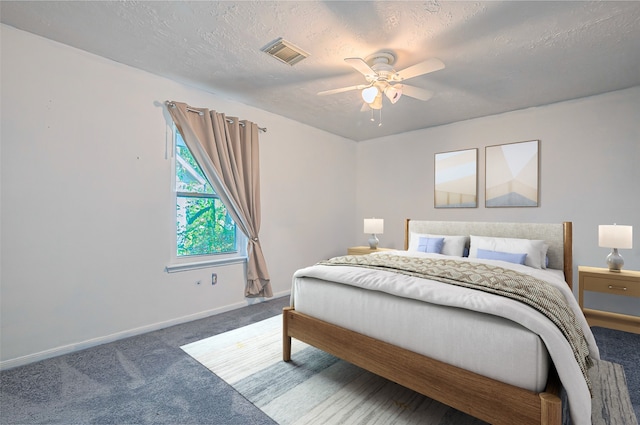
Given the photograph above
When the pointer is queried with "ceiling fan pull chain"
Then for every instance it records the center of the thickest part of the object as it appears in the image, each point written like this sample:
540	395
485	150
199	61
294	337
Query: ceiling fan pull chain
380	123
372	119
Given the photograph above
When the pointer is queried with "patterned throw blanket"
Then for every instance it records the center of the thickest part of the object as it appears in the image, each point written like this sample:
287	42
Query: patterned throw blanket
534	292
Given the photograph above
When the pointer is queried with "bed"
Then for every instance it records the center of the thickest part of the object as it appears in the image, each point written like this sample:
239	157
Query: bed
518	360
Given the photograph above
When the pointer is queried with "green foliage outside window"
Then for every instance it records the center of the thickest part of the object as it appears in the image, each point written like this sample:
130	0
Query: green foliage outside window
203	225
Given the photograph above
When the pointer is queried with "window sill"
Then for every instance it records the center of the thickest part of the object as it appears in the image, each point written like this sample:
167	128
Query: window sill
182	267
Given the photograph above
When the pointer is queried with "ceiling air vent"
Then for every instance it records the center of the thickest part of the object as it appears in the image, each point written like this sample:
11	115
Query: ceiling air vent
285	52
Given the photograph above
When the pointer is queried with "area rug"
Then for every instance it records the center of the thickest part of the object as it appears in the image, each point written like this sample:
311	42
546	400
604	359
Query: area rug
318	388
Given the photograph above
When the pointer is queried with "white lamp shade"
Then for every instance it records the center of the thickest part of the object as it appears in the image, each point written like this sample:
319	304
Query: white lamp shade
614	236
369	94
374	226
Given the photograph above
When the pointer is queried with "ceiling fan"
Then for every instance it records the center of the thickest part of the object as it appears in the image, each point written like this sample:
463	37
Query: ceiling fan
382	78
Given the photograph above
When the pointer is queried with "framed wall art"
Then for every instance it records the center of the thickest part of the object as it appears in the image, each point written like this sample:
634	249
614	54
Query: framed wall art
512	175
456	179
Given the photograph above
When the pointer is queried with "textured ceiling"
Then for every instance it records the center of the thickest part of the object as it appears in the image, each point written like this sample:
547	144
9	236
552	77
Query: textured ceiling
499	55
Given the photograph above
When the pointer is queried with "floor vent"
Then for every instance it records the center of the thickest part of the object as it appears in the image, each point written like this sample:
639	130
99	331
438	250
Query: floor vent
285	52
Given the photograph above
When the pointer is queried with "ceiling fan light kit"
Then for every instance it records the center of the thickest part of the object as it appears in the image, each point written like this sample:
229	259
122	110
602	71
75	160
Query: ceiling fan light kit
382	78
369	94
377	102
393	93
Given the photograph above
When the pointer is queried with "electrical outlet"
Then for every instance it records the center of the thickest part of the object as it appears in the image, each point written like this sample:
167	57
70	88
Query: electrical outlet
214	278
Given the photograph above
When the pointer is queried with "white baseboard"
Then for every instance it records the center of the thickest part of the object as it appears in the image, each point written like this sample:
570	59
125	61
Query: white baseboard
70	348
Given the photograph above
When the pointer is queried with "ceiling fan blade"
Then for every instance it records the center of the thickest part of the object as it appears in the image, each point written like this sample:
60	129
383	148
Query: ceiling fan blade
342	89
416	92
430	65
360	66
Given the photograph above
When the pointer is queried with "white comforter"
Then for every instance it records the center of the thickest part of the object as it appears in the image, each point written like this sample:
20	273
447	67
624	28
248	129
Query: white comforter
456	296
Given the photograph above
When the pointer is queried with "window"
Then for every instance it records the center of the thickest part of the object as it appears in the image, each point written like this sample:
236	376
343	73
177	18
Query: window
203	226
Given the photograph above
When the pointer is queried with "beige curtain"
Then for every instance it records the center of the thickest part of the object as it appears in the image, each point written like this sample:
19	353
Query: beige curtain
227	151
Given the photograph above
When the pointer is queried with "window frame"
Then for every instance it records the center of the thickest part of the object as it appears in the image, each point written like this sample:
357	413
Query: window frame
191	262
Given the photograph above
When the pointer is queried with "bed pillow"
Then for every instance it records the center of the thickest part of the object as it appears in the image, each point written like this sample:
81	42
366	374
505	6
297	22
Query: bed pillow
533	248
432	245
543	254
453	245
502	256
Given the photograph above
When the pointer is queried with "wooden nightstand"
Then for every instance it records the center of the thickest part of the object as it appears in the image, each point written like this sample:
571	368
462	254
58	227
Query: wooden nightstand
625	283
363	250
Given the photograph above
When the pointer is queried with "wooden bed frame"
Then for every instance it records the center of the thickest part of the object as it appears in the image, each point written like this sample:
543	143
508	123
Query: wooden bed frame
484	398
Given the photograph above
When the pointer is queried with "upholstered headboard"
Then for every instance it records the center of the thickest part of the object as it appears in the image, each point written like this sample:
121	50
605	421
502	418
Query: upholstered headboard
557	235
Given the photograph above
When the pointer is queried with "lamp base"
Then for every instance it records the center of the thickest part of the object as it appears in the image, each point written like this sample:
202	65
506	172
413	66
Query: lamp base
373	242
615	261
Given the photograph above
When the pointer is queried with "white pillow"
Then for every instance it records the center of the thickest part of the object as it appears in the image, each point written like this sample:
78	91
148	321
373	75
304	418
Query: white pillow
533	248
453	245
543	255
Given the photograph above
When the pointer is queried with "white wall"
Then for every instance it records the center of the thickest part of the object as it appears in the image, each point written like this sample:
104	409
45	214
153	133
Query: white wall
589	165
86	201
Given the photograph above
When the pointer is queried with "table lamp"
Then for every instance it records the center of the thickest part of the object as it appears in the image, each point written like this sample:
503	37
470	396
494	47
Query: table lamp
373	226
615	237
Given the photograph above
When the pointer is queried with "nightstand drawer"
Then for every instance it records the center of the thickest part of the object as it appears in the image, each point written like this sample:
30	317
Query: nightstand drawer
611	286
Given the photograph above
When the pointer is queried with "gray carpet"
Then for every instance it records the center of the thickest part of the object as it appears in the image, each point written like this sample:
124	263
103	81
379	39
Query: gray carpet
148	379
145	379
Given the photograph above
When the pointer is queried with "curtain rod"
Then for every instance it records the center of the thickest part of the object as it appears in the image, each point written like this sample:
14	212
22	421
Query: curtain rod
229	120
